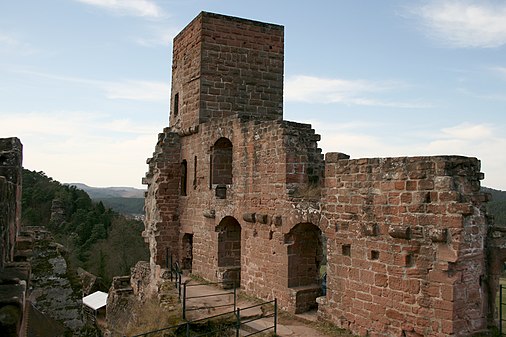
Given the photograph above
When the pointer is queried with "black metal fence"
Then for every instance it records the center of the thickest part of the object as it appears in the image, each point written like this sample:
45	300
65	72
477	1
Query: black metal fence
226	324
176	273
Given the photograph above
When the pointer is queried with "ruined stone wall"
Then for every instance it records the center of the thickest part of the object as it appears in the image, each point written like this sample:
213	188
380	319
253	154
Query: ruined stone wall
162	199
186	72
10	196
260	198
406	240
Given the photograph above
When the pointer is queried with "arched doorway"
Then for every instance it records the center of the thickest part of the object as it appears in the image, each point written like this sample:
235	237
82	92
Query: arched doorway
229	251
306	255
187	251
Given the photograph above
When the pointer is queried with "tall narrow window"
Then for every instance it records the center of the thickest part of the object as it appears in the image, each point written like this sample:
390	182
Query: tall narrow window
176	104
195	172
184	178
222	162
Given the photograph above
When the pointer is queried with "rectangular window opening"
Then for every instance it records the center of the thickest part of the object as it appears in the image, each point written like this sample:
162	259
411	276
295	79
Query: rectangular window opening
176	104
375	255
409	260
195	173
346	250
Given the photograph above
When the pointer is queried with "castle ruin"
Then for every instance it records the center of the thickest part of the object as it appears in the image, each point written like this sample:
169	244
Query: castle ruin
236	193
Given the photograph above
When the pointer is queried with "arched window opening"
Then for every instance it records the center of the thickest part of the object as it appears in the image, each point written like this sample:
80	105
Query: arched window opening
306	264
184	177
221	162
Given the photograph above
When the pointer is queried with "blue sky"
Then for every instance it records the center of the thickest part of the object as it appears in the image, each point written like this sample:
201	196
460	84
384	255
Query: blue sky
85	83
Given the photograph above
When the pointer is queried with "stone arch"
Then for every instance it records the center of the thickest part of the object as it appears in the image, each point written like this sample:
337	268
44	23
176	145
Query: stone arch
305	251
221	171
229	250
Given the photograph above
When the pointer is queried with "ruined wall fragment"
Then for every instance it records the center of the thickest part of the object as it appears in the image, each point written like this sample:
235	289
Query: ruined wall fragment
406	243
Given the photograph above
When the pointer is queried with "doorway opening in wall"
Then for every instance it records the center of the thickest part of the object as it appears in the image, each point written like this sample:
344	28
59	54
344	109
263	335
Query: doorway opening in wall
229	251
221	172
187	252
306	249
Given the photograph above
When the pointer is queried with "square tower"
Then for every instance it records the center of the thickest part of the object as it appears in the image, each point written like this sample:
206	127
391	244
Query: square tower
225	66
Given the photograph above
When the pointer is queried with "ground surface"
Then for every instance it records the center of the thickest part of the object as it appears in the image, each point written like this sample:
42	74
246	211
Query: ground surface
208	300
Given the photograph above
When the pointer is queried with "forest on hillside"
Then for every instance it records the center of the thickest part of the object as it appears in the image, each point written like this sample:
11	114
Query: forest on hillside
497	205
97	238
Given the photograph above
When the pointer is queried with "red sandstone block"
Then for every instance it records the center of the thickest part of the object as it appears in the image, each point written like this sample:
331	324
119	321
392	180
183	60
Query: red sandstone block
444	314
381	280
395	283
461	208
452	221
394	314
379	199
411	185
400	185
364	297
367	276
426	184
387	185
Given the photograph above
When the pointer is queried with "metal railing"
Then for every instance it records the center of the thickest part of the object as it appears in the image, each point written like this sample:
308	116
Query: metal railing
501	305
176	273
274	315
222	293
232	321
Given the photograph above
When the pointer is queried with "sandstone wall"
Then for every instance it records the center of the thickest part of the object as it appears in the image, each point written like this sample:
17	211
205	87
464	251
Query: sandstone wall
162	199
407	240
10	196
209	57
406	246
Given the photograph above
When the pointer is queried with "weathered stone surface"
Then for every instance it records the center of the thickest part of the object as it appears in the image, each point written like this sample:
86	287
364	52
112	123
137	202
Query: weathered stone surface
404	238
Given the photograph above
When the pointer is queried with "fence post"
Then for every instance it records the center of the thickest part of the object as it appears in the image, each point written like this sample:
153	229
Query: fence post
235	302
178	280
500	309
187	329
238	326
275	316
171	279
184	300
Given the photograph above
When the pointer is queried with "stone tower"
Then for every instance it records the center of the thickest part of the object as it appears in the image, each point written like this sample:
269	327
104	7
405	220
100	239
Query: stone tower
237	194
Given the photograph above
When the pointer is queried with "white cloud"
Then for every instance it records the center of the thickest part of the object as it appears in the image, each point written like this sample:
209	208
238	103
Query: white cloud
11	43
78	146
151	91
500	70
312	89
157	37
359	140
143	8
467	131
464	24
136	90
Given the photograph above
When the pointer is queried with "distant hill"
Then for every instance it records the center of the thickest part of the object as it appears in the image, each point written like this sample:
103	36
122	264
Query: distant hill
497	195
124	200
97	238
497	206
127	206
110	192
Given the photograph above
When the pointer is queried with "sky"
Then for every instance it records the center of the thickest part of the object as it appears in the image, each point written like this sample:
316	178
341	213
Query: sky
85	84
